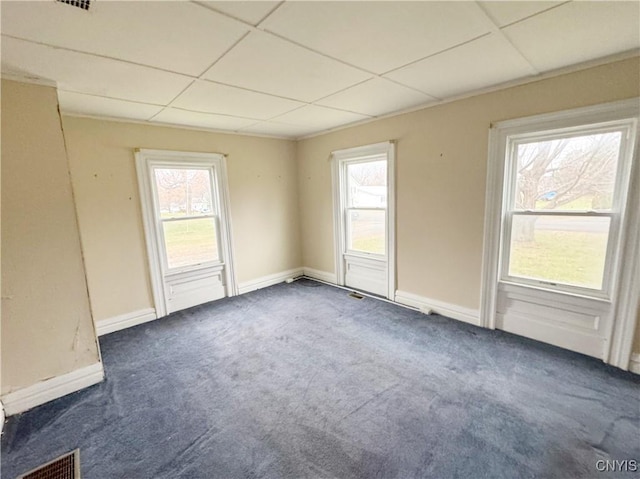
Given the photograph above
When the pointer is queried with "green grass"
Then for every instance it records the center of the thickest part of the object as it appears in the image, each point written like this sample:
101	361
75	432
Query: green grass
190	242
574	258
372	244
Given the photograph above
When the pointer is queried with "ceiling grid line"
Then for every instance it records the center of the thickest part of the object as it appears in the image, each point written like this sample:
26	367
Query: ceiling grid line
496	30
218	114
528	17
168	105
97	55
418	60
217	82
199	77
273	10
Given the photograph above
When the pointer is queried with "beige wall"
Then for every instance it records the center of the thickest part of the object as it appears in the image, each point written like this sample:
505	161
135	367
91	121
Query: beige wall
441	171
46	321
262	178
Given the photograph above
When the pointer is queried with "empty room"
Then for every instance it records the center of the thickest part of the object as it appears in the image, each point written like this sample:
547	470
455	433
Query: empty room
320	239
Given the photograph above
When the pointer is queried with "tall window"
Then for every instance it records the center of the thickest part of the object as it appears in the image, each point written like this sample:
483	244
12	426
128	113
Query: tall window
366	206
186	213
564	193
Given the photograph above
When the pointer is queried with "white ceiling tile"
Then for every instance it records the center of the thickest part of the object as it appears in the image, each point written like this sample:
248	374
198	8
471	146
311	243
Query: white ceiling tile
151	33
90	74
273	128
318	117
80	103
264	63
251	12
507	12
215	98
378	36
577	32
176	116
376	97
482	63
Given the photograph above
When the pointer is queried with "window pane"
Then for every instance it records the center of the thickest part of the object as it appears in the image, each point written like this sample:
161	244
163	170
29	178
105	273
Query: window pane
568	173
560	249
367	184
366	231
190	242
183	192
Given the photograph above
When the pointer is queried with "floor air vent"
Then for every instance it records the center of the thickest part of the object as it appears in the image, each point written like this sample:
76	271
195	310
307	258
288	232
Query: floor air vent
356	295
84	4
65	467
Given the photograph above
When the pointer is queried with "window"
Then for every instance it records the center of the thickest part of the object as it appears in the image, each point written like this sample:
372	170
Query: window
186	214
366	206
185	209
564	195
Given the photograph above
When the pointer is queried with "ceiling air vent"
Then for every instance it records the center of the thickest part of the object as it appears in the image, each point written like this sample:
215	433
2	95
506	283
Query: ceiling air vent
84	4
65	467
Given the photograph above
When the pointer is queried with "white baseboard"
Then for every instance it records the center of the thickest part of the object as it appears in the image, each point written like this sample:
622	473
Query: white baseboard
268	280
2	418
50	389
124	321
449	310
634	363
321	275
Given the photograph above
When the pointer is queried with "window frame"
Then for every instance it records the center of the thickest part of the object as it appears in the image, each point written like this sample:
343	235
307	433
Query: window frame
615	213
215	213
626	293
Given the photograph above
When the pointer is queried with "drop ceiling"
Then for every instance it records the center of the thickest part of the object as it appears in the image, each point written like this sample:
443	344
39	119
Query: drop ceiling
296	68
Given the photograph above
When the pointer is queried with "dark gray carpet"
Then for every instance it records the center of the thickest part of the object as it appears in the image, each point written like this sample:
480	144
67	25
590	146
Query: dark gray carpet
301	380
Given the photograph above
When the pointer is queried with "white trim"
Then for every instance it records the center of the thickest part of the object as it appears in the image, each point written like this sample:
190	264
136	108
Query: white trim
268	280
2	417
600	113
491	242
226	232
428	306
153	254
363	151
625	271
320	275
50	389
338	236
123	321
628	305
634	363
391	221
339	158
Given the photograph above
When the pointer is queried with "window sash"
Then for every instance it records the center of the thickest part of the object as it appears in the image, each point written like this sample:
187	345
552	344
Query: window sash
161	221
619	194
175	166
595	214
347	224
190	217
195	266
348	185
602	293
